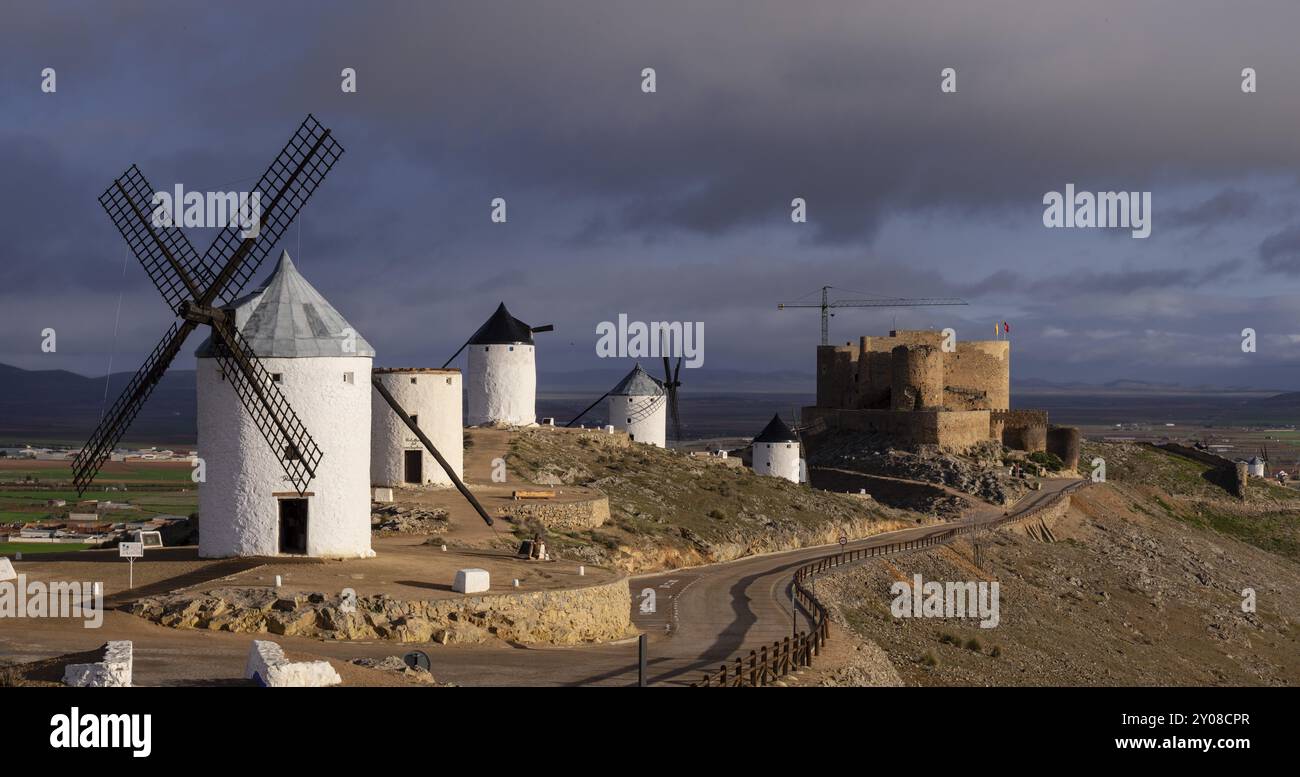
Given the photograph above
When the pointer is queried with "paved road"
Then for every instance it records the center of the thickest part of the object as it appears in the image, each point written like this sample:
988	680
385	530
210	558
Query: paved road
703	616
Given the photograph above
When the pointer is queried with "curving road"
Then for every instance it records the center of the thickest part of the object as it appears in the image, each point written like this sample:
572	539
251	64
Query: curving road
703	616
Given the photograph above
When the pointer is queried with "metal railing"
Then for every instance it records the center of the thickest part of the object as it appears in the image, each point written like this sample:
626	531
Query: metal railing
765	665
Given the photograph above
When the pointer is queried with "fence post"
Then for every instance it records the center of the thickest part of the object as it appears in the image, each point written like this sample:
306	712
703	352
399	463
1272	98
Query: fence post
753	669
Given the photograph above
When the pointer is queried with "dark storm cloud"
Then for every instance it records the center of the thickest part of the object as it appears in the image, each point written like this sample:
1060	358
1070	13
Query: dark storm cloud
1280	252
671	205
1228	205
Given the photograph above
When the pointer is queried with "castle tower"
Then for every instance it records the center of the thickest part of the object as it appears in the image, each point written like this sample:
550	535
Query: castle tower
776	451
638	405
502	382
917	378
246	507
433	400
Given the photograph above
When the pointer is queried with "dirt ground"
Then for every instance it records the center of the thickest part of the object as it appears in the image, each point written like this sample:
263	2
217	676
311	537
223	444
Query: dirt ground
1121	598
403	568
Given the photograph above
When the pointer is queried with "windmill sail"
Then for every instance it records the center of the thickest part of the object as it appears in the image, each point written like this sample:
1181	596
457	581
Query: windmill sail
189	285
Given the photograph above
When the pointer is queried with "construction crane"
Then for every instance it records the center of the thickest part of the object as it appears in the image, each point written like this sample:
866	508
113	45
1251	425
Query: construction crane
884	302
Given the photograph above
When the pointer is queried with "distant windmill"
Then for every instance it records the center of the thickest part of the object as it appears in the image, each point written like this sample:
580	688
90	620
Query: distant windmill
637	405
651	402
672	382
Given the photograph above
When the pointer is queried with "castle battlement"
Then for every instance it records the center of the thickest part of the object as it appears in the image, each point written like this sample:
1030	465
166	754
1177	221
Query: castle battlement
908	387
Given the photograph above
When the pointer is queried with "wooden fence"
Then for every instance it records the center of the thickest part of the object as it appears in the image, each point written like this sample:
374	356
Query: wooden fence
767	664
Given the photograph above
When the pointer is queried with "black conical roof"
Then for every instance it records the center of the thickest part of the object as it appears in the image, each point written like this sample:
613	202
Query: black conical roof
776	431
502	329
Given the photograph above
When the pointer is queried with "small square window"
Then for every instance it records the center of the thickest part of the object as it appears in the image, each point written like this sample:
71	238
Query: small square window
629	420
347	377
291	453
277	377
413	380
415	419
512	347
448	381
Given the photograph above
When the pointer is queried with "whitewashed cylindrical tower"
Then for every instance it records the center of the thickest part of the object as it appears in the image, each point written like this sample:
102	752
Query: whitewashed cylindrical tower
776	451
247	506
501	387
433	400
638	405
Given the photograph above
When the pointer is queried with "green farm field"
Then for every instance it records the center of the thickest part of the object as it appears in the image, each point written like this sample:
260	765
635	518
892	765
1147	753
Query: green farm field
151	488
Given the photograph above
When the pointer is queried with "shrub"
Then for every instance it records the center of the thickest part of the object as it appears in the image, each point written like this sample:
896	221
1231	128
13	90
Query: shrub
1049	460
928	659
10	677
996	652
974	644
717	514
950	639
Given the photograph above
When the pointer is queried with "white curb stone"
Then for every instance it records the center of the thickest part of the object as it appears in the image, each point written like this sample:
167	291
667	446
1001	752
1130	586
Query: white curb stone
113	672
268	666
471	581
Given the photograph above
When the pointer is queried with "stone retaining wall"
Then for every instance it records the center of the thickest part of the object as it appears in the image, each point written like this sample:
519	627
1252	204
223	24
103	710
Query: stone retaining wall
563	617
587	514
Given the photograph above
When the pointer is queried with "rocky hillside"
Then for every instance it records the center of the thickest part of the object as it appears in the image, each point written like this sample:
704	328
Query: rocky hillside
669	510
1163	485
1143	586
981	473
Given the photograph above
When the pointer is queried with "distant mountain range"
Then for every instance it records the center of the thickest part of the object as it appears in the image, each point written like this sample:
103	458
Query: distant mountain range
62	406
1039	385
57	405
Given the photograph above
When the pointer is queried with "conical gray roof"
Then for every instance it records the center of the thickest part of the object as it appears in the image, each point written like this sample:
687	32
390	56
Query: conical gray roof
288	318
638	383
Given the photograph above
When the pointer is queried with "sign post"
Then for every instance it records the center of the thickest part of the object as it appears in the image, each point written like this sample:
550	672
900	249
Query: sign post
641	654
131	551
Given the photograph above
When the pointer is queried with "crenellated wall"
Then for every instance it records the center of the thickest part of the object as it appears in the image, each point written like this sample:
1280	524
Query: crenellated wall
909	371
975	375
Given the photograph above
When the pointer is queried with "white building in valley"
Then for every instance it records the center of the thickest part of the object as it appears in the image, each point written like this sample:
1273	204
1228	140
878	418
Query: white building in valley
638	405
776	451
432	398
247	505
501	387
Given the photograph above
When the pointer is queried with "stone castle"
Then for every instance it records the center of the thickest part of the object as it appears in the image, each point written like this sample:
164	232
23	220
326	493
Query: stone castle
906	387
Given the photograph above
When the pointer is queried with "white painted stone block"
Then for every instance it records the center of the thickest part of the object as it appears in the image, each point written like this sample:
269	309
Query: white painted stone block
112	672
268	666
381	494
7	569
471	581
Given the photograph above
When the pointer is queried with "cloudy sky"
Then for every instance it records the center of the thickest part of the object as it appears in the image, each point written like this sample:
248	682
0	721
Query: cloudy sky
676	205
